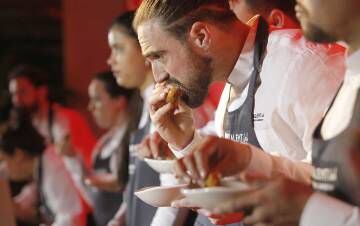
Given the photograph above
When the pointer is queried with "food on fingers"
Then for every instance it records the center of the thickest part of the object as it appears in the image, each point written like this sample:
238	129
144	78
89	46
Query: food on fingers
173	95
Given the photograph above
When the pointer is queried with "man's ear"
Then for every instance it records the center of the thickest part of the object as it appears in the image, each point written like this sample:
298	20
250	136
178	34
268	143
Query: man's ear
277	19
200	36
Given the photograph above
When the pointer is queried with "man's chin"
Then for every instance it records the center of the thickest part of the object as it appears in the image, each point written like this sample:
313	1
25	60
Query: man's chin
193	102
315	34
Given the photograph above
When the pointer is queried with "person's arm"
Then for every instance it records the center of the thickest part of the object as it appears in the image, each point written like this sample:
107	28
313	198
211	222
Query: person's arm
270	165
322	210
60	192
309	85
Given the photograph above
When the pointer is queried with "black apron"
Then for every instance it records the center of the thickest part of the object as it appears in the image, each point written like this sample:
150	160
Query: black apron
106	203
140	175
331	158
239	124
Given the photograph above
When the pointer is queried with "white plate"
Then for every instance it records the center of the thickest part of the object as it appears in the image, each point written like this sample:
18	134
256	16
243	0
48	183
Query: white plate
160	166
160	196
209	198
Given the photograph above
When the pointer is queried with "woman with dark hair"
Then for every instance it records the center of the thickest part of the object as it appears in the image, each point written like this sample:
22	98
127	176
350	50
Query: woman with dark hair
131	71
112	108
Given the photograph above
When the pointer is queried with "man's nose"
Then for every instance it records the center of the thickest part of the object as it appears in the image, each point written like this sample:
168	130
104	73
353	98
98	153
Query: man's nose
160	75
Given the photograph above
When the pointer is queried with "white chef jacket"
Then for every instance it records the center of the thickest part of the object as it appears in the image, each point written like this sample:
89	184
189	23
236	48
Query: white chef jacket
60	192
321	209
298	81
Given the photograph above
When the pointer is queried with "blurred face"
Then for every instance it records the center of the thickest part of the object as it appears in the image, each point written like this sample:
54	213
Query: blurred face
103	107
326	20
126	61
23	93
173	61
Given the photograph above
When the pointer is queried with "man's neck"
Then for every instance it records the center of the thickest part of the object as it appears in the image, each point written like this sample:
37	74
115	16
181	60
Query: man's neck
231	51
353	36
120	120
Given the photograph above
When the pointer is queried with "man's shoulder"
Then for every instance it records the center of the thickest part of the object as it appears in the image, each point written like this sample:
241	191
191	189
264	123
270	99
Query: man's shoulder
294	39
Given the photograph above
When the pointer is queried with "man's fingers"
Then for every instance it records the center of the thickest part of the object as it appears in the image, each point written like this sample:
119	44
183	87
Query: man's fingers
161	113
154	145
245	202
143	149
259	215
180	171
183	203
202	155
191	169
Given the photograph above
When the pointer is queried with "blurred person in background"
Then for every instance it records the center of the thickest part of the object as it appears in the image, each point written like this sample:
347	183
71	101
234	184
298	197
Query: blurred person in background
114	109
36	173
131	71
59	125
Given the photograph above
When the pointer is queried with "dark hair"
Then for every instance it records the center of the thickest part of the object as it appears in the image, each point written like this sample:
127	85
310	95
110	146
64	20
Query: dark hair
5	109
35	75
177	16
125	21
112	87
265	6
24	137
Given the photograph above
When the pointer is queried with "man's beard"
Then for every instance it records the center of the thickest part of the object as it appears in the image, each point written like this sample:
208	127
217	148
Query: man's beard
200	78
316	34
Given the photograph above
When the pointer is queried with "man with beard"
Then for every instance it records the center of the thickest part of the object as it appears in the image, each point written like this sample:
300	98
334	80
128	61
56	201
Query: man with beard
28	87
194	43
336	152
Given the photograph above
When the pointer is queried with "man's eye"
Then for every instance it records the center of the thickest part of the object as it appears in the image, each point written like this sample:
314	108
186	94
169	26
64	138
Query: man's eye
154	57
119	49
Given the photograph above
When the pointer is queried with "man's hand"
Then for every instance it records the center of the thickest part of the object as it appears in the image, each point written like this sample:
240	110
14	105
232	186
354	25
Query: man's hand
174	122
280	202
153	146
213	154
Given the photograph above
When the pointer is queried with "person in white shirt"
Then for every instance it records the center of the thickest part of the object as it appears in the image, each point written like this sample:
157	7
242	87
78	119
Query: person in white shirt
190	49
336	147
226	54
26	156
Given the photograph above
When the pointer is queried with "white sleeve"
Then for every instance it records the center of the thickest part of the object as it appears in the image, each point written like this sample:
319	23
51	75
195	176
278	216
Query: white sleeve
308	89
321	210
270	165
181	153
60	192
